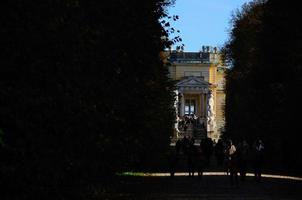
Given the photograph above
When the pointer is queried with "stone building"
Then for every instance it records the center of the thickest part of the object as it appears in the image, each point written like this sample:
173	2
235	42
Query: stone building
200	91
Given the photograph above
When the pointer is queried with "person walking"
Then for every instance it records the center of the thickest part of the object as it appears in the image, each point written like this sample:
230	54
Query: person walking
200	162
233	162
191	157
243	156
219	153
258	149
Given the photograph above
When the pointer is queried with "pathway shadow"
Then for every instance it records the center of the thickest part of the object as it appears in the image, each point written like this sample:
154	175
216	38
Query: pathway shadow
207	187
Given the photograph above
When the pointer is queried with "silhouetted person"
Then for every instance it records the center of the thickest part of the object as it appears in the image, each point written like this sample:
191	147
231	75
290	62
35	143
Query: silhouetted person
232	159
207	147
200	162
219	153
185	144
178	146
258	149
174	157
202	125
185	127
226	156
191	154
173	160
243	156
180	124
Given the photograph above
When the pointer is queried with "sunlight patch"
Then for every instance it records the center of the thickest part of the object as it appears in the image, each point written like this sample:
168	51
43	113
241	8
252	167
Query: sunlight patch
141	174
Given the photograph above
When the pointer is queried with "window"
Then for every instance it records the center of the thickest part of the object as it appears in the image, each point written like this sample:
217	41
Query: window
190	106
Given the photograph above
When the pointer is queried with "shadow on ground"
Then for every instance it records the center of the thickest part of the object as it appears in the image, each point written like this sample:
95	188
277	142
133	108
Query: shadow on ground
207	187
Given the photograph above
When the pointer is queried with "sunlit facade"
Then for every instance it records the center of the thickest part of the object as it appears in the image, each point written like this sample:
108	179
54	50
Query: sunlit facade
200	91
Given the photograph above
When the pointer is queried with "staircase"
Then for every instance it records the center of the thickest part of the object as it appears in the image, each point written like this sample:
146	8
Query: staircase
195	131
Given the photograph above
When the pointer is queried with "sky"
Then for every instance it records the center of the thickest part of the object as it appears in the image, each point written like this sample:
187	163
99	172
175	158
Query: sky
203	22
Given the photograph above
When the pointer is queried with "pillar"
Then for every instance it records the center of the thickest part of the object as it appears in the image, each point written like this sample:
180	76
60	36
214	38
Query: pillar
201	105
176	130
205	98
182	105
211	113
205	114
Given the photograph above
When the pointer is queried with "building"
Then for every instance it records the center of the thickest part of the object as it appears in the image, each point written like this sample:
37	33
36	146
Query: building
200	92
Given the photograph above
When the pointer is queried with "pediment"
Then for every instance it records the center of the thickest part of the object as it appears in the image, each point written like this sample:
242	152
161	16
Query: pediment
192	82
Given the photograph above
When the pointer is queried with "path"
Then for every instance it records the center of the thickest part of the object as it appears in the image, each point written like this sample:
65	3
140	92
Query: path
207	187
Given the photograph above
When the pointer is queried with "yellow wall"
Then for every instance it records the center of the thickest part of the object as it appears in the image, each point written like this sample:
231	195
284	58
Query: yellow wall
172	70
220	99
220	75
213	75
178	71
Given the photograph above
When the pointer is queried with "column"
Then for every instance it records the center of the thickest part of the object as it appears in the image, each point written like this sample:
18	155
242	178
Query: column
205	98
182	105
176	130
210	112
176	102
205	114
201	104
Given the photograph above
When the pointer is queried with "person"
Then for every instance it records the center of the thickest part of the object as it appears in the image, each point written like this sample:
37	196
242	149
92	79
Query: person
207	147
226	157
200	162
243	155
258	149
185	127
181	123
185	144
178	146
219	152
173	160
232	159
191	157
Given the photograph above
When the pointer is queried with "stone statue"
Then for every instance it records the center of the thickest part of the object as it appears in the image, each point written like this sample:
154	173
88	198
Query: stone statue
211	125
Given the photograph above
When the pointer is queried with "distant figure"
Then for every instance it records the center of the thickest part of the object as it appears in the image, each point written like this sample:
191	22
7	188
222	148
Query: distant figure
191	155
173	157
181	123
207	147
185	127
258	149
219	153
178	146
202	124
185	144
243	156
232	159
200	162
226	156
173	160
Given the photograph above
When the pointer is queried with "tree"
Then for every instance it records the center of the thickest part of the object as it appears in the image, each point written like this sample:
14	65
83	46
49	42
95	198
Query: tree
242	51
265	53
83	91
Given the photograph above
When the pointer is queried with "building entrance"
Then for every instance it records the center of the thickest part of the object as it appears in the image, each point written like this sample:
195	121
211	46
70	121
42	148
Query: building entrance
190	106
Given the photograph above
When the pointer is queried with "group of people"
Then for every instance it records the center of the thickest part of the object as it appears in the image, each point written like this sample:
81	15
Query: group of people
233	158
191	119
197	157
239	157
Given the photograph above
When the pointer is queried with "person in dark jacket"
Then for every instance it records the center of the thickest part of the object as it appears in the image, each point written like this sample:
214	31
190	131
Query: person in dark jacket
219	153
258	149
233	163
243	156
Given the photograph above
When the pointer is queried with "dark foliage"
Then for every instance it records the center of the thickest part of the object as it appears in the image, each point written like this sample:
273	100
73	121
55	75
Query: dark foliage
83	92
263	84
